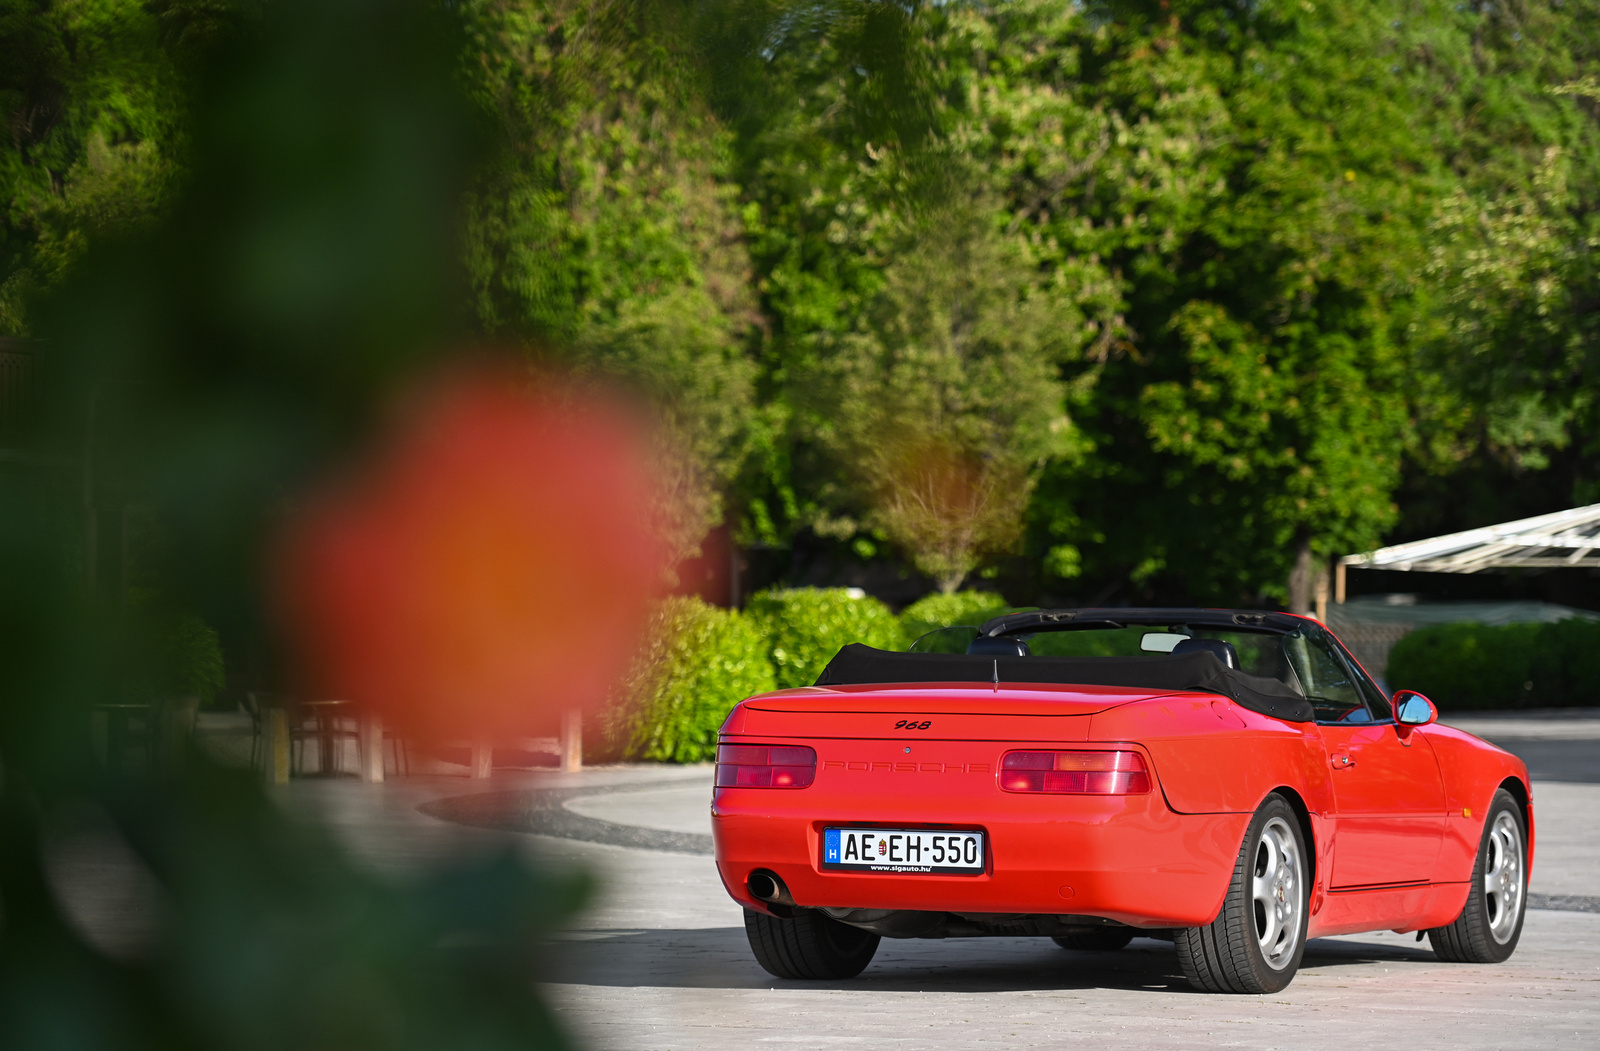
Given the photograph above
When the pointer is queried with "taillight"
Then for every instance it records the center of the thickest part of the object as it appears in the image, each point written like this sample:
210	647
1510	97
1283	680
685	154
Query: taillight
765	766
1082	773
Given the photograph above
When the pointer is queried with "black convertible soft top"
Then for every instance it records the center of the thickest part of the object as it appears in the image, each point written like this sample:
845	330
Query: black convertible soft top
1202	672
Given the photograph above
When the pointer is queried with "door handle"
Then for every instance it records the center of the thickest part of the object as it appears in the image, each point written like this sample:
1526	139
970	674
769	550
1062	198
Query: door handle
1341	761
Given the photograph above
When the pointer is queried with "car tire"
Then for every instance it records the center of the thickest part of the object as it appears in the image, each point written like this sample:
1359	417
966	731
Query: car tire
809	946
1256	942
1490	924
1095	939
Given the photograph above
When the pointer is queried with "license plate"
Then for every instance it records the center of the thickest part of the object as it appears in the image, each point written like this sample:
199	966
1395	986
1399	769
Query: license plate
902	850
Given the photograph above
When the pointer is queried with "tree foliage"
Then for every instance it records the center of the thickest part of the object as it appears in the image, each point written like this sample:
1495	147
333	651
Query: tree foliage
93	106
605	229
1164	296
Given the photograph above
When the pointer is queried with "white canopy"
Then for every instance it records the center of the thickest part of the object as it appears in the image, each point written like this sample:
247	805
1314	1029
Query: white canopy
1561	540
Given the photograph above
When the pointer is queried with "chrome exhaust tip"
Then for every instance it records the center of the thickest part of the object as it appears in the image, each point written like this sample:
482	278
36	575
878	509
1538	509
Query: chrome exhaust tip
766	886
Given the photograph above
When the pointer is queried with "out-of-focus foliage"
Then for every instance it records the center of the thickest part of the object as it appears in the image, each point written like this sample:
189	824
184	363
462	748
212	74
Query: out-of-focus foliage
606	230
700	662
211	363
94	146
1519	276
941	610
1465	666
805	627
501	529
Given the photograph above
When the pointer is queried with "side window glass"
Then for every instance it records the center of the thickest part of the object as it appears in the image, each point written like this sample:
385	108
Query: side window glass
1377	703
1327	680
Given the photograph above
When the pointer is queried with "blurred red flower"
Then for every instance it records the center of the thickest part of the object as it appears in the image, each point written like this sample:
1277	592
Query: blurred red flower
491	566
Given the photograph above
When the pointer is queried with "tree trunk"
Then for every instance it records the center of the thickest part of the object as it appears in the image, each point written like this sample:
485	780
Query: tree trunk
1302	578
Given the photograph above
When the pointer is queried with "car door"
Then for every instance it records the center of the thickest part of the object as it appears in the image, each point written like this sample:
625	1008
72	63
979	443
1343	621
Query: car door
1388	792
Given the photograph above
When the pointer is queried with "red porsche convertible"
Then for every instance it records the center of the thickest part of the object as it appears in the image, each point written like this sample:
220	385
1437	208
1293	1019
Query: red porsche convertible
1231	780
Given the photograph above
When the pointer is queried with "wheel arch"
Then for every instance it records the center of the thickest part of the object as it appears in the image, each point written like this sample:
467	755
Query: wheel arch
1303	815
1518	790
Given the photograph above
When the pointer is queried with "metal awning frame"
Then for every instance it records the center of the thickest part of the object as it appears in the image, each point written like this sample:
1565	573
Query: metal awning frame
1561	540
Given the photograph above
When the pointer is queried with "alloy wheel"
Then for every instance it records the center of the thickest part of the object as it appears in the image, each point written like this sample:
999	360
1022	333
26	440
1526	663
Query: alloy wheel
1276	895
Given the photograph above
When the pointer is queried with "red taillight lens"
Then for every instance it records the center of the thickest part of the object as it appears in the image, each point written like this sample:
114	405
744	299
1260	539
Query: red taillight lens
765	766
1081	773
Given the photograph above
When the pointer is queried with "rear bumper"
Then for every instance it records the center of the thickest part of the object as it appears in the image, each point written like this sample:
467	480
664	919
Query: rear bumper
1124	858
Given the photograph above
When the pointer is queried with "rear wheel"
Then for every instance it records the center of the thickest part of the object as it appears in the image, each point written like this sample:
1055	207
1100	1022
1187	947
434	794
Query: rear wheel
1490	924
808	946
1255	943
1095	939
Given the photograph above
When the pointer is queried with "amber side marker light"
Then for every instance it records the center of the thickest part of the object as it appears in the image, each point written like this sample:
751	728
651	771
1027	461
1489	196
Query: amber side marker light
1079	773
765	766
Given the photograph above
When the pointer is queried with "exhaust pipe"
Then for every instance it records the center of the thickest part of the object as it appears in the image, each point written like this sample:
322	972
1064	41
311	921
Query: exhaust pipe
766	886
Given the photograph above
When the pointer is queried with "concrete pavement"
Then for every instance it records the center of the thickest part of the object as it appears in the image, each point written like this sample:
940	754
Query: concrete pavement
660	961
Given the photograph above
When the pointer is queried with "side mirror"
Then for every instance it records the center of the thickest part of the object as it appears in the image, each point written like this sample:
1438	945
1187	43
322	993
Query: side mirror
1413	709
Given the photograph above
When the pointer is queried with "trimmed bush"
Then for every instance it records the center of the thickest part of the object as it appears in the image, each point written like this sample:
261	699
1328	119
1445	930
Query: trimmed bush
805	627
700	661
938	610
1467	666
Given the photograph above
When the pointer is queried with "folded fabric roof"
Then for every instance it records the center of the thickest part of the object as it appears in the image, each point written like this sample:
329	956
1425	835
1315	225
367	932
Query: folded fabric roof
1200	672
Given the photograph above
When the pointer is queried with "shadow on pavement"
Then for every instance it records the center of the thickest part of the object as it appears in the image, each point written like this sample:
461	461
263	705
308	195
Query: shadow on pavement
719	958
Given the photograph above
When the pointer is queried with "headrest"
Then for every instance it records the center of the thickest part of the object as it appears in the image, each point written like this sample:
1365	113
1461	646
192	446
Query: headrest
1223	651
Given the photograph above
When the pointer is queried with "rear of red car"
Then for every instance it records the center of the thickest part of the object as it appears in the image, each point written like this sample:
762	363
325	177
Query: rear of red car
960	801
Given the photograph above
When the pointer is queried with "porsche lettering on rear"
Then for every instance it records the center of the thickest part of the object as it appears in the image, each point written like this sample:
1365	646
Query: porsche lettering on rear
1208	773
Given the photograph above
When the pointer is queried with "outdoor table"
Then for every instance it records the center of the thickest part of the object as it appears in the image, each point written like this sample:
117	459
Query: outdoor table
118	717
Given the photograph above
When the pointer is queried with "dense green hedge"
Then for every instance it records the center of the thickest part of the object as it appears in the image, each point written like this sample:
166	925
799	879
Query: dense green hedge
805	627
1463	666
937	610
700	662
703	660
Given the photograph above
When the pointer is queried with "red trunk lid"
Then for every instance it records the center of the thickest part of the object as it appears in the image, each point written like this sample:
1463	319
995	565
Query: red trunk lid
965	712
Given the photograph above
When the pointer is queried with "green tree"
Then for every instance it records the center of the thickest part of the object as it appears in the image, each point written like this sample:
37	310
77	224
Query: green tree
919	326
1266	211
606	231
944	399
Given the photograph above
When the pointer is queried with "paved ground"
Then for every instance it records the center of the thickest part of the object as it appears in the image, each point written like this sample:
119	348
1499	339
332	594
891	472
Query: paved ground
661	960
